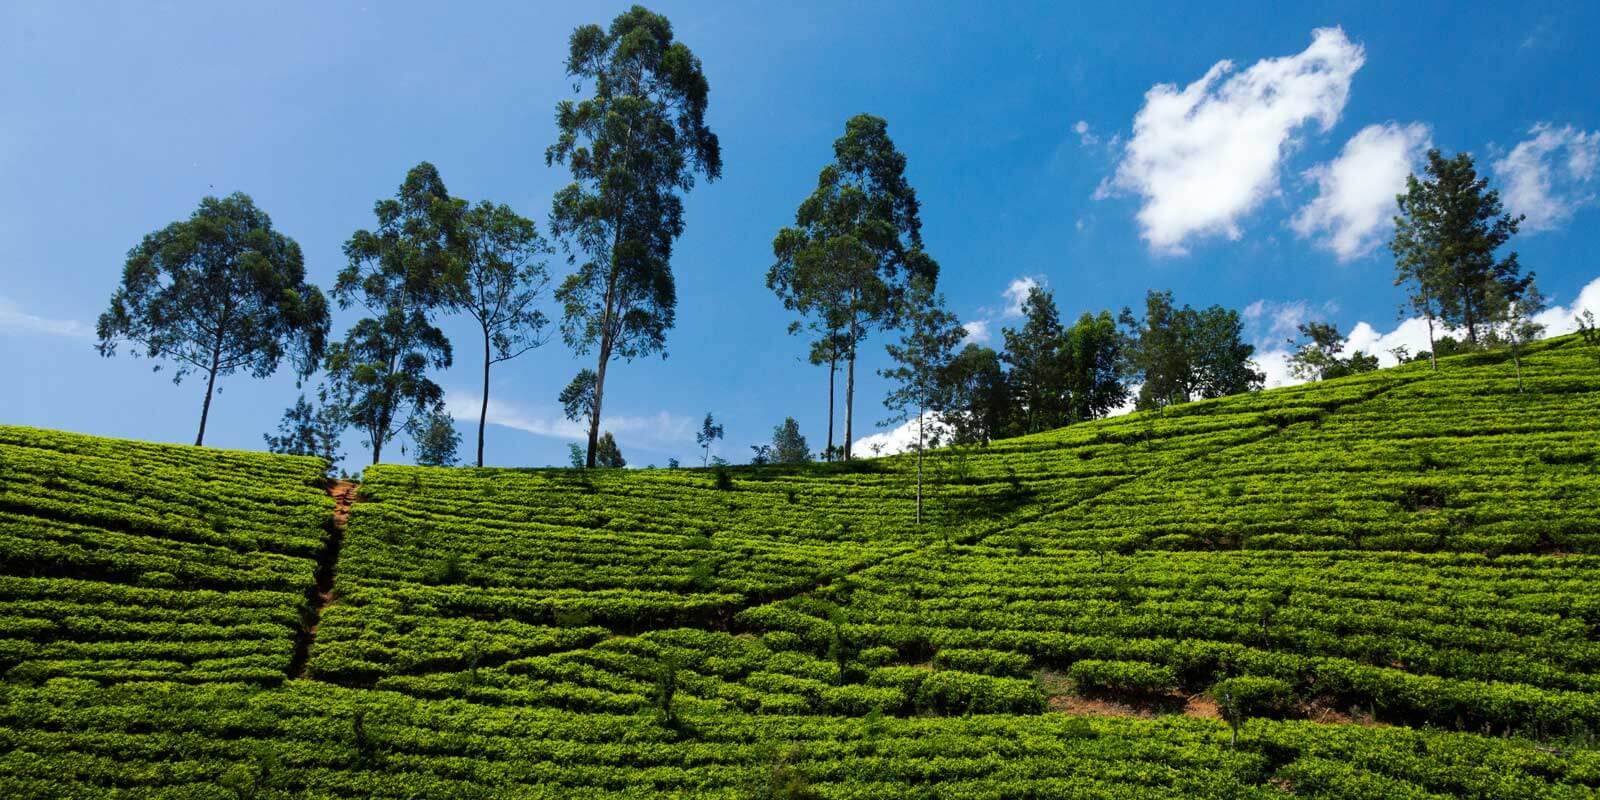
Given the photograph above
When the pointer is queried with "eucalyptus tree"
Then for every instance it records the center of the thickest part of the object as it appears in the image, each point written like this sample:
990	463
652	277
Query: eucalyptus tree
219	292
1445	240
634	143
921	358
498	277
1317	358
854	248
399	274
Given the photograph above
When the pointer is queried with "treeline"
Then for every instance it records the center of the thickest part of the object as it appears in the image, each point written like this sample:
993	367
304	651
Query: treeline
224	292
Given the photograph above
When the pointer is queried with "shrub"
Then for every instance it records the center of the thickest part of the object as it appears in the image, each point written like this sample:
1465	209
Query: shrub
988	662
1131	677
1253	696
951	692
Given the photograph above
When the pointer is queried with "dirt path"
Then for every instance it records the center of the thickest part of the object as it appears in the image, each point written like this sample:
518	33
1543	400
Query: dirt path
321	594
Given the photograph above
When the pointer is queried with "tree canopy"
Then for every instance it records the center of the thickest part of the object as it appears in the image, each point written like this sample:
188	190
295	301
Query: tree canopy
220	292
633	144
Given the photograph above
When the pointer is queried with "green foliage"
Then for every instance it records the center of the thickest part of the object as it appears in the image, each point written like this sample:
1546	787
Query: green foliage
710	431
1250	696
1318	357
633	144
788	445
855	247
607	454
1181	355
308	430
1129	677
1445	240
217	293
437	440
378	374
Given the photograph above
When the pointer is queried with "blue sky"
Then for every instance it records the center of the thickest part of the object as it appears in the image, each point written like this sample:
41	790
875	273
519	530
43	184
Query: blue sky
1099	151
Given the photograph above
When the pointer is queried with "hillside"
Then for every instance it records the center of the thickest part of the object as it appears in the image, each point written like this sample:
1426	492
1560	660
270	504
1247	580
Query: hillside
1390	577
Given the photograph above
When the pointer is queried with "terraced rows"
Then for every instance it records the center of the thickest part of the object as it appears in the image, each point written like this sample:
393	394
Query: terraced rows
122	561
314	740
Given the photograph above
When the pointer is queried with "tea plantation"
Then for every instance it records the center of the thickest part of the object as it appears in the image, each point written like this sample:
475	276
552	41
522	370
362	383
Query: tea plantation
1381	586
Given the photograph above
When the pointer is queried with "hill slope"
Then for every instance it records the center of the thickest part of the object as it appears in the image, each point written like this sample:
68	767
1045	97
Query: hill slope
1403	548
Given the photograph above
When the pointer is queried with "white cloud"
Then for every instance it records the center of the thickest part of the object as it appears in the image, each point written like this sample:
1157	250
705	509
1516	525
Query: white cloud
1355	203
1016	293
1548	176
14	320
977	332
1085	135
1564	319
661	429
1204	156
900	439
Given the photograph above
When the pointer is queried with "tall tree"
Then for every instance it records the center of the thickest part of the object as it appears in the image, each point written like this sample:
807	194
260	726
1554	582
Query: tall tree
788	445
1092	358
1181	354
921	358
855	246
217	293
398	273
980	398
1037	355
710	431
1446	236
497	278
633	145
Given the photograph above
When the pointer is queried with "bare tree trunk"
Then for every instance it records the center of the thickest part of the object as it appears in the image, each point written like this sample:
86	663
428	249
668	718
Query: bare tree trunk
599	390
483	410
205	408
833	369
849	401
1516	358
1433	348
919	466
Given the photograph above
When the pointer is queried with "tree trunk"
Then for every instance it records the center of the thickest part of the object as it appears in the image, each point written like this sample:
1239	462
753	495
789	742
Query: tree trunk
833	368
919	466
1516	358
599	392
1433	348
377	447
211	385
205	408
849	400
483	410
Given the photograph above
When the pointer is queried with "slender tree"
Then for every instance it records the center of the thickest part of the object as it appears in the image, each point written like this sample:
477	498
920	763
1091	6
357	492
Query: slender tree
921	358
398	273
855	246
217	293
1037	356
634	144
1445	240
498	278
1514	307
710	432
